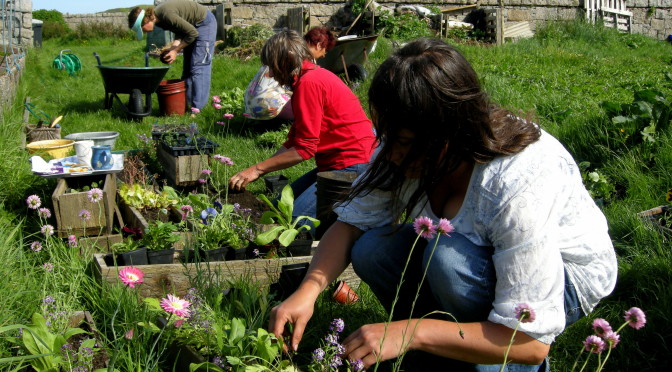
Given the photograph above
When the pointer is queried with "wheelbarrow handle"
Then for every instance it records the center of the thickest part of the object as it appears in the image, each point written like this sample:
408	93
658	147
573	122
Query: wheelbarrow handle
98	58
147	59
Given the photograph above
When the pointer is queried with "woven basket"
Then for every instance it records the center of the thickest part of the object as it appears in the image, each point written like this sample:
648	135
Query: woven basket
33	133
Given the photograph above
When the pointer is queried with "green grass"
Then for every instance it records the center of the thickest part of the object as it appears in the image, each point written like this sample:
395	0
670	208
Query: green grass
560	78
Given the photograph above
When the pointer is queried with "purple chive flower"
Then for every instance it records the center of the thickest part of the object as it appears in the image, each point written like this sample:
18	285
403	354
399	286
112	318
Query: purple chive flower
36	246
206	171
635	318
525	313
48	266
33	202
337	325
601	327
72	241
444	227
424	227
84	215
611	338
318	355
594	344
44	213
47	230
95	195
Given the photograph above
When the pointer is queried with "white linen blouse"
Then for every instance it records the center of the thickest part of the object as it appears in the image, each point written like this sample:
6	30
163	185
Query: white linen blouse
533	208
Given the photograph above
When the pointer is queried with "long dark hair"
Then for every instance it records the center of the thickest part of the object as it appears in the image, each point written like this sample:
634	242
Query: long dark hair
429	89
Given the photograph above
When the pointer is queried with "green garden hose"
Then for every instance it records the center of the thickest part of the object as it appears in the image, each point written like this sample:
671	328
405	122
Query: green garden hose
68	62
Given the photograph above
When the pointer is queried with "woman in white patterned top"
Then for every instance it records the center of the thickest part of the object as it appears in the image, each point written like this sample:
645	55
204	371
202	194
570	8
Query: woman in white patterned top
526	230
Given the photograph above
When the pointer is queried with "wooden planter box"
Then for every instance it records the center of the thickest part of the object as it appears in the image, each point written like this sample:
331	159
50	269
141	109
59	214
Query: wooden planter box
133	218
173	278
183	170
68	205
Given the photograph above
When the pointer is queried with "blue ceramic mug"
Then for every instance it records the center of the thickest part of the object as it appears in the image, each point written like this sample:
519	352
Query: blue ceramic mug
101	158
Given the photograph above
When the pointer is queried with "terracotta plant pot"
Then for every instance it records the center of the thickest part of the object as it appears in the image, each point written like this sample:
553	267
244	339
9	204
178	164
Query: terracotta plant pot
344	294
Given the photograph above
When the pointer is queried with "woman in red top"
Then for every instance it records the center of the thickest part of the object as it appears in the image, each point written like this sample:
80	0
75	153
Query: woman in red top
329	122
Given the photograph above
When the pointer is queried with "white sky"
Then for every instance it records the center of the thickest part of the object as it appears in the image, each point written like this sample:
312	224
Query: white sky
85	6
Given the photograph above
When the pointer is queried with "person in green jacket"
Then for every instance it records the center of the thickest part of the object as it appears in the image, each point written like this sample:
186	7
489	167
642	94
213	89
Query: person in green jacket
195	30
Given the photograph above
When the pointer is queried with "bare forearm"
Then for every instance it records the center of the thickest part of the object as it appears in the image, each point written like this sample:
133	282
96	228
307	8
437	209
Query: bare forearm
483	343
282	159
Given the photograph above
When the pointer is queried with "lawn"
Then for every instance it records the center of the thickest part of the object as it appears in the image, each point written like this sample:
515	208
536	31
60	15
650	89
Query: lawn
605	95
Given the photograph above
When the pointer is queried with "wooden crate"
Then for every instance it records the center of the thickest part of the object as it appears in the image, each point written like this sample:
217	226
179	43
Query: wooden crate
183	170
173	278
68	205
133	218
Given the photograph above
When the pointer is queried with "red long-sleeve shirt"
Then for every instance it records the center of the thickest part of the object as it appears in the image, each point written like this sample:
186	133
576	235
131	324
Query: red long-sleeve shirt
329	122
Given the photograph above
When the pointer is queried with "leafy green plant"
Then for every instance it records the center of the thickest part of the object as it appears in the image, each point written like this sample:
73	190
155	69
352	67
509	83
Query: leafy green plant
142	197
287	227
598	185
274	138
160	235
405	26
127	245
84	188
233	101
227	225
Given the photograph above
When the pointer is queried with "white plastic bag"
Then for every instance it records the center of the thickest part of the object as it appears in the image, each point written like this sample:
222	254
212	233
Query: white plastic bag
264	97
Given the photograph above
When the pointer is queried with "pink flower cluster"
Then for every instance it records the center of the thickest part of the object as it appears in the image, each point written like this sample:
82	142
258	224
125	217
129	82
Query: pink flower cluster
605	337
223	159
424	226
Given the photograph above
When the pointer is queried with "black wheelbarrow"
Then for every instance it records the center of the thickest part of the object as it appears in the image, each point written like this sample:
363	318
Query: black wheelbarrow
348	56
135	81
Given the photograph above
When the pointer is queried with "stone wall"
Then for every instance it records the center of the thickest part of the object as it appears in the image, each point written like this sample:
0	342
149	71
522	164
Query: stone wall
115	18
9	80
17	27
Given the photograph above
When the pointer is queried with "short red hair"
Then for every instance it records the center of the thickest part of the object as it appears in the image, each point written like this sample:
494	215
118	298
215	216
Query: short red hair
320	35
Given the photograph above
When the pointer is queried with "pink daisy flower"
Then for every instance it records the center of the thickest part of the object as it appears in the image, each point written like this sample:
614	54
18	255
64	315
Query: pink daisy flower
525	313
225	160
72	241
33	202
175	305
216	99
131	276
612	339
84	215
444	227
635	318
48	266
594	344
95	195
424	227
217	106
206	171
228	116
47	230
36	246
202	180
44	213
601	327
194	110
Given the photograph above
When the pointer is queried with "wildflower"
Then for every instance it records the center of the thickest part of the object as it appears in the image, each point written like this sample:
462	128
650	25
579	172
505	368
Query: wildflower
444	227
318	355
525	313
131	276
84	215
48	266
594	344
186	211
72	241
424	227
357	365
206	171
143	138
221	123
255	252
36	246
95	195
612	339
44	213
202	180
175	305
207	213
668	196
601	327
217	106
178	324
129	334
195	110
337	325
134	232
216	99
219	362
33	202
48	300
635	318
336	362
331	339
47	230
228	116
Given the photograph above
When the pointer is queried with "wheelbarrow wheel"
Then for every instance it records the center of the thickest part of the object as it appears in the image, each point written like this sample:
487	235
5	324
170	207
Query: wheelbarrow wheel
135	102
357	72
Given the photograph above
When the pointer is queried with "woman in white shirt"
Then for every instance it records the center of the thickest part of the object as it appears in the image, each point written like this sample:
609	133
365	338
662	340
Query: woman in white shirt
526	229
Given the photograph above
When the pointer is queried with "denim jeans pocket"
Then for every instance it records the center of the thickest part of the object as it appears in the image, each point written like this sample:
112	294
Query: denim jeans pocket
202	55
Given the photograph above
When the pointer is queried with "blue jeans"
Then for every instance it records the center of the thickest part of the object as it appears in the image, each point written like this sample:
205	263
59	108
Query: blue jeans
197	67
305	190
460	280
